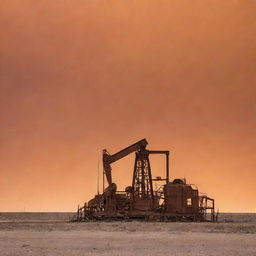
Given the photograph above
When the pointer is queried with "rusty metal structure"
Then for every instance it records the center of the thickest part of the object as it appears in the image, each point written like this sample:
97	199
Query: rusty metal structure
169	201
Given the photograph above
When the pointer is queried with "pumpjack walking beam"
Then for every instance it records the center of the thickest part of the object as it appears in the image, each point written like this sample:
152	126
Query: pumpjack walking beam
109	159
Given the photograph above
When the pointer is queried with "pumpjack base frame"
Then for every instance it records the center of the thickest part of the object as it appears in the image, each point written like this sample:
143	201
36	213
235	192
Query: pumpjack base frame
86	215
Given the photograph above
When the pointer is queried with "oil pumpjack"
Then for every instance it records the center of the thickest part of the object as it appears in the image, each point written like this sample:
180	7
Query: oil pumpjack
173	201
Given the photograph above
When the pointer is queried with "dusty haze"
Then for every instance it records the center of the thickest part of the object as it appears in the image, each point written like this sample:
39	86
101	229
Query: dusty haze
79	76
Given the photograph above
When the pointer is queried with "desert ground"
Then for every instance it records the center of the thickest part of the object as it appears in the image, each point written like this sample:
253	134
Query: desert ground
43	234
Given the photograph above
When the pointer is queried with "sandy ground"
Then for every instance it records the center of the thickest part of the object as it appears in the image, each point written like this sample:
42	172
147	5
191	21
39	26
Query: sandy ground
57	237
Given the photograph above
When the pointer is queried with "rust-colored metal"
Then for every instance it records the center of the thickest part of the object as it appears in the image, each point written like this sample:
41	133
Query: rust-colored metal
171	201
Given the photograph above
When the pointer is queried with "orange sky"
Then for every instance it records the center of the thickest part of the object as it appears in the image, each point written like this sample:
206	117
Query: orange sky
79	76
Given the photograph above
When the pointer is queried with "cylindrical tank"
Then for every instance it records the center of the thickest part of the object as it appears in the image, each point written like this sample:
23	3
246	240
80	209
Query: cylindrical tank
181	198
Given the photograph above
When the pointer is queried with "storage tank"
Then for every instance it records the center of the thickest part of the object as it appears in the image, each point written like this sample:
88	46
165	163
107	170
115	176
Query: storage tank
181	198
